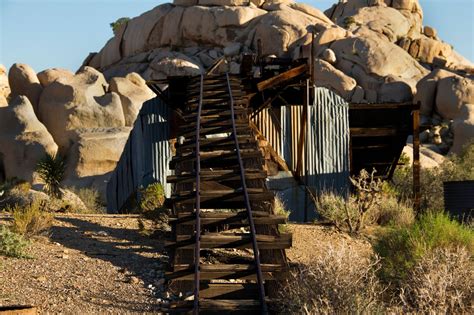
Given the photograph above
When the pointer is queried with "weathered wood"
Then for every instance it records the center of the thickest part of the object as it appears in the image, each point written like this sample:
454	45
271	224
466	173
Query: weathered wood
224	271
230	219
282	77
223	176
378	132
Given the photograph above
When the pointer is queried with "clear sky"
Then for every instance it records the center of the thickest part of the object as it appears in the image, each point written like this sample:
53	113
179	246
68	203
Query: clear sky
61	33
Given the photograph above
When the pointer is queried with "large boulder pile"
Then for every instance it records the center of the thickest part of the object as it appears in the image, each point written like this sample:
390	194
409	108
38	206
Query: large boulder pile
367	51
80	116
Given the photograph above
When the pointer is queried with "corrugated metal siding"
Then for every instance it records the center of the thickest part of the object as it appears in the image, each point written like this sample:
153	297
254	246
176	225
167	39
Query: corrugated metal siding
327	143
459	198
145	158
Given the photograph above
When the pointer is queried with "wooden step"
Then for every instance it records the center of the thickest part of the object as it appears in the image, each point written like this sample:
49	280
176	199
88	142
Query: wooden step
236	240
225	271
219	306
221	143
221	201
229	218
242	129
203	141
214	123
211	160
223	176
214	104
220	112
228	290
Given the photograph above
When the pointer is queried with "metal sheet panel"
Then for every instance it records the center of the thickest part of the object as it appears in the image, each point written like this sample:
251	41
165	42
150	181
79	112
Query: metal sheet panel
145	158
459	198
327	145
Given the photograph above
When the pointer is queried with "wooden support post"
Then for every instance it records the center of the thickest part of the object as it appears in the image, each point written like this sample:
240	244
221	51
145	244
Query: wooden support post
311	63
416	162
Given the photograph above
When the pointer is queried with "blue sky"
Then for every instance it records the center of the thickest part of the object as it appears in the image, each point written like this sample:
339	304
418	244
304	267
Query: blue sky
61	33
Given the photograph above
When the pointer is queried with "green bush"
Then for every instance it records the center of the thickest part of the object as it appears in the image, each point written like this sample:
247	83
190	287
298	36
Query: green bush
151	205
392	212
117	24
401	248
12	244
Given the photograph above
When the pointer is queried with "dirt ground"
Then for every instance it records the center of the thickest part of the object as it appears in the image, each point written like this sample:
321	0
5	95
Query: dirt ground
102	264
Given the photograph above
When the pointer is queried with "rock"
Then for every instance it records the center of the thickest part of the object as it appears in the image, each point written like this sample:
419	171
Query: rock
428	158
3	101
395	92
77	103
330	35
358	95
133	92
24	140
452	93
430	31
235	16
329	56
426	90
463	129
232	49
4	85
23	81
328	76
48	76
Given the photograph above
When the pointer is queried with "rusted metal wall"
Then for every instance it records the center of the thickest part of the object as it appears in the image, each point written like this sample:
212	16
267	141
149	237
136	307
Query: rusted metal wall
325	161
145	158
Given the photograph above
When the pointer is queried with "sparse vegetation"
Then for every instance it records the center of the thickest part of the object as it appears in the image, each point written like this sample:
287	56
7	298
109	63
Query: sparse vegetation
51	170
91	199
12	244
342	281
151	205
280	209
31	220
117	24
402	248
349	21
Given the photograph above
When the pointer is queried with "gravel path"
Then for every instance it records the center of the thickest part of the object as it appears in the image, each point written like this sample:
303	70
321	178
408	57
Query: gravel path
88	265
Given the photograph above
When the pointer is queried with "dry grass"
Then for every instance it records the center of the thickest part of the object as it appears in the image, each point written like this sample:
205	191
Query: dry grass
341	281
441	283
393	212
31	220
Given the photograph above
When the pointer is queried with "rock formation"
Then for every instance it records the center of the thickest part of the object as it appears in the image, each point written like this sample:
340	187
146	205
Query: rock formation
24	140
367	51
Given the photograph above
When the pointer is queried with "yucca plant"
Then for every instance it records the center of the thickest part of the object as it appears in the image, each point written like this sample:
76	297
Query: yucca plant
51	170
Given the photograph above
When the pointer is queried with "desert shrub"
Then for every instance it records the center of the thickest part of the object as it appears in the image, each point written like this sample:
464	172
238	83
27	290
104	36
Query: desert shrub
453	169
392	212
280	209
342	281
117	24
12	244
354	213
440	283
91	199
51	170
151	205
402	248
31	220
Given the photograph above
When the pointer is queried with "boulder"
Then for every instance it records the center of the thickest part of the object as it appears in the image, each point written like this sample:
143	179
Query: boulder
329	55
328	76
463	129
4	86
235	16
175	64
426	90
24	140
48	76
394	91
452	94
133	92
430	31
428	158
79	102
23	81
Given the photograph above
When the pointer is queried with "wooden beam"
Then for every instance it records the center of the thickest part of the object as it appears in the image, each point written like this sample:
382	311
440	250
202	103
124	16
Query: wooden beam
416	162
282	77
384	106
378	132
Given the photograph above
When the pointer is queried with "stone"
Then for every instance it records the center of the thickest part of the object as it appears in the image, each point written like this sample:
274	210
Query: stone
452	94
329	55
426	90
185	3
358	95
24	140
328	76
430	31
133	92
175	64
235	16
4	85
23	81
3	101
330	35
79	102
463	129
395	92
232	49
94	155
48	76
428	158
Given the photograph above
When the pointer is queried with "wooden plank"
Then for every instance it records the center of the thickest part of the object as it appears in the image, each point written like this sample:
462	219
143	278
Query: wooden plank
225	271
282	77
365	106
216	176
215	240
216	305
228	219
378	132
228	290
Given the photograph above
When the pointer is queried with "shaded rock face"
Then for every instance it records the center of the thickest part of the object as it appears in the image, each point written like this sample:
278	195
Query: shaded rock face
24	140
4	85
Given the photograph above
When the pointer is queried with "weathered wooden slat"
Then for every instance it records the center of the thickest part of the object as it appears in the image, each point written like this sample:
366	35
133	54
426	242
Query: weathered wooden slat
229	201
216	305
224	271
231	219
216	176
282	77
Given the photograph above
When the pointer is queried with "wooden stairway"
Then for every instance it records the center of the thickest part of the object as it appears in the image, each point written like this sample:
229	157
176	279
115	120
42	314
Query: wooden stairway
211	202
